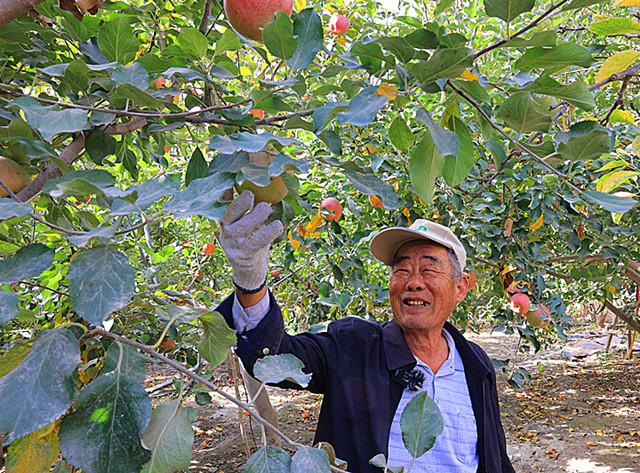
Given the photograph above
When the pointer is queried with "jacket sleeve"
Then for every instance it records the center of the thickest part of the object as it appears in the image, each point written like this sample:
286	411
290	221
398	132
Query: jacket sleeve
316	351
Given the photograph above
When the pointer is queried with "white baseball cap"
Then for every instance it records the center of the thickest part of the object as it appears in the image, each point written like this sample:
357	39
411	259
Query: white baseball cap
386	243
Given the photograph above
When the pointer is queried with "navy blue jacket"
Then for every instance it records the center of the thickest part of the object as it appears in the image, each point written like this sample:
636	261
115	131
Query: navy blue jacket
359	367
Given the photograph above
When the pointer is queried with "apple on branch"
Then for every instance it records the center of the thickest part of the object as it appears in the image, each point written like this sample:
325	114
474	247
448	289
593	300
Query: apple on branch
338	24
248	17
334	209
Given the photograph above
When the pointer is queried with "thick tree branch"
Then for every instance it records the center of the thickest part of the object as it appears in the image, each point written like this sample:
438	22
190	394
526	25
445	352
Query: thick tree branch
628	319
206	13
526	28
71	153
12	9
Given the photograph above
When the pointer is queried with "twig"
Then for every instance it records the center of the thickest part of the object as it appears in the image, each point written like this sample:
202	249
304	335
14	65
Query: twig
206	13
614	77
619	100
520	31
503	133
126	113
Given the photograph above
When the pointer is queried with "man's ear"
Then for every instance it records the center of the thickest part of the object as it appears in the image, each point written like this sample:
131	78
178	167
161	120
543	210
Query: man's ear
463	285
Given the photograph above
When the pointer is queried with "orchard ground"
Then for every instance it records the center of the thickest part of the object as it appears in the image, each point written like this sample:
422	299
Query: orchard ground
576	416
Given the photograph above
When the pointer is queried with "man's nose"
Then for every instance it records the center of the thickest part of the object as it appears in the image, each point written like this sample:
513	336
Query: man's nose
415	282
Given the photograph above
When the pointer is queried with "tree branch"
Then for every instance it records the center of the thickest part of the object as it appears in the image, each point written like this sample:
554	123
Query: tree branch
533	24
630	321
71	153
206	13
503	133
614	77
12	9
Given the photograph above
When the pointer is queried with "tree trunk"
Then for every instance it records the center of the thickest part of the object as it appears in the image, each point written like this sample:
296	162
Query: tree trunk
12	9
262	405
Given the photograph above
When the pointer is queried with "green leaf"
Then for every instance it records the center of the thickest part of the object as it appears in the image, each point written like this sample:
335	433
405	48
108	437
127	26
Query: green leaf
307	27
519	113
193	43
278	36
310	460
576	93
615	26
372	185
458	167
444	64
611	203
323	115
99	145
277	368
246	141
363	108
101	281
541	38
34	453
269	459
228	42
128	360
507	10
399	47
217	338
400	134
40	389
104	233
103	434
14	356
442	6
9	208
135	75
148	192
137	96
585	140
197	167
29	262
93	181
117	41
201	197
421	423
581	4
425	165
50	120
76	76
169	436
555	59
8	306
446	141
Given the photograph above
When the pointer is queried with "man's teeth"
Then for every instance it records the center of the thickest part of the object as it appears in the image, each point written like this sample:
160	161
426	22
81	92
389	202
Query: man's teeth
416	303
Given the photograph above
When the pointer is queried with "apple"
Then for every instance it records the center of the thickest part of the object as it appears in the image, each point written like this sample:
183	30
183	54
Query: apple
208	248
540	317
159	82
275	273
248	17
334	209
375	201
338	24
520	303
198	275
13	175
274	192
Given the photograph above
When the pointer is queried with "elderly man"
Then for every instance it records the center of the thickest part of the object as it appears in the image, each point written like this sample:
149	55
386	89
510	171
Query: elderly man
368	372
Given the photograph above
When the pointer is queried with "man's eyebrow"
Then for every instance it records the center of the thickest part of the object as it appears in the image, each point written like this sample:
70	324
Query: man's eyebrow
399	259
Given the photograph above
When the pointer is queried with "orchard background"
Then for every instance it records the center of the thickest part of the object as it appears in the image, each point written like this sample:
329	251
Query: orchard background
513	122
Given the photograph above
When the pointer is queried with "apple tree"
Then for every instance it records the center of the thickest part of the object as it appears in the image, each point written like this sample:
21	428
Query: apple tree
513	122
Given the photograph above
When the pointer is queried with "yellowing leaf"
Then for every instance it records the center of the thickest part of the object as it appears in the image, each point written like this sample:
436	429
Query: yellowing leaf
621	116
614	179
294	243
636	145
626	3
340	40
616	63
538	223
34	453
387	89
300	5
472	76
315	223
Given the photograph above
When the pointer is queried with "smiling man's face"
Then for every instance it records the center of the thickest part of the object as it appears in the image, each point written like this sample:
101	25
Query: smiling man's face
421	287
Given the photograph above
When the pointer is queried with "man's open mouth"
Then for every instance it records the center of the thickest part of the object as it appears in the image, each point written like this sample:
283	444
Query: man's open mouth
415	303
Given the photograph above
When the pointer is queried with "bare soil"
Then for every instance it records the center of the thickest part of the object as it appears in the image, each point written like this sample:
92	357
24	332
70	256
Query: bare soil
576	416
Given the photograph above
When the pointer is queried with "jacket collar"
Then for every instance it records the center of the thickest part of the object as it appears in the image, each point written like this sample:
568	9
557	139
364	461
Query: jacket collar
399	355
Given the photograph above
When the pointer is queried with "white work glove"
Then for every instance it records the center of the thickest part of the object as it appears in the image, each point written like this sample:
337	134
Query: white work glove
246	241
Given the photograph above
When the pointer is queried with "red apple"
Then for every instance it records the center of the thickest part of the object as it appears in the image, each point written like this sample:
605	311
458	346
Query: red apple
334	209
208	248
248	17
338	24
520	303
540	317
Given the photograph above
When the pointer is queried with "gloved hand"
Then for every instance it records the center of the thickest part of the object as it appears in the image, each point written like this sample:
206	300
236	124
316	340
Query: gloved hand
246	241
